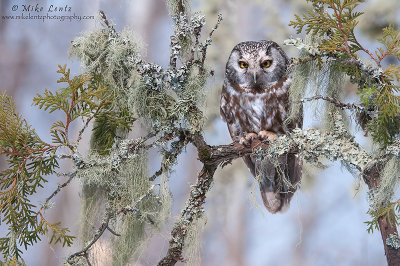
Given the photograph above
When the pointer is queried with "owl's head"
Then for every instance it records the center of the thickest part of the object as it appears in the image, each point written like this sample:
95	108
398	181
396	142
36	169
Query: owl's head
255	66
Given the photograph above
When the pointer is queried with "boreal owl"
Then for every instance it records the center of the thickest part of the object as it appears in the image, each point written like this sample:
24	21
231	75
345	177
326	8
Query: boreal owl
255	104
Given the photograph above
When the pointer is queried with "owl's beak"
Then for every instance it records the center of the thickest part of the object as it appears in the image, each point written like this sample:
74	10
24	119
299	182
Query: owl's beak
255	77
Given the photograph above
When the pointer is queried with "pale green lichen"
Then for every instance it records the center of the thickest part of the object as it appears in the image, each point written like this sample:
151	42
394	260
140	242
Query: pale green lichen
313	145
193	241
165	98
393	241
105	57
312	48
121	179
175	7
99	52
313	76
333	89
300	79
389	182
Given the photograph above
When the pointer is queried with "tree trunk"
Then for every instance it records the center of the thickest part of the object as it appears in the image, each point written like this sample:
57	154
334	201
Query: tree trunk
387	225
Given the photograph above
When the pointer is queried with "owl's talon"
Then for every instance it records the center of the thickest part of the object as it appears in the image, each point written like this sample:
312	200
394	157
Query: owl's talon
248	139
243	142
264	134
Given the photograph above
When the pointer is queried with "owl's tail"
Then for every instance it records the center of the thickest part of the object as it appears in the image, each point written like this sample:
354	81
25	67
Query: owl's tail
278	180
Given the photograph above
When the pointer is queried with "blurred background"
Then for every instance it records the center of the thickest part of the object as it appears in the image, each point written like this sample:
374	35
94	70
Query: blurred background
325	224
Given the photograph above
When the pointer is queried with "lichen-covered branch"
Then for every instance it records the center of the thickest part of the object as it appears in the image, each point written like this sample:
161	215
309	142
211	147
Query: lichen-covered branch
193	210
311	144
336	102
119	88
105	225
387	223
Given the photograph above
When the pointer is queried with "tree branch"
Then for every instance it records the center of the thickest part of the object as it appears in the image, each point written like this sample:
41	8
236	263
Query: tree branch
310	144
193	210
334	101
84	251
387	225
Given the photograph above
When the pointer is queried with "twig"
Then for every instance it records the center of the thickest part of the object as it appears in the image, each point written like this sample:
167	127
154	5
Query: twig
345	38
112	231
156	174
110	27
170	157
84	251
208	42
105	226
133	208
86	125
334	101
59	187
86	256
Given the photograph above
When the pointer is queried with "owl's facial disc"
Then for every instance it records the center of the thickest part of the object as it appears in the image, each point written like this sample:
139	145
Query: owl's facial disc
256	66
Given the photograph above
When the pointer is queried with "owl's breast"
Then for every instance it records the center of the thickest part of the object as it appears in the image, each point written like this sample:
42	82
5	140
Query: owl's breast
262	112
253	111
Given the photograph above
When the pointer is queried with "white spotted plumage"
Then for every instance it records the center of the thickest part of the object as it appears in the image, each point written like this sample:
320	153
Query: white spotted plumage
255	98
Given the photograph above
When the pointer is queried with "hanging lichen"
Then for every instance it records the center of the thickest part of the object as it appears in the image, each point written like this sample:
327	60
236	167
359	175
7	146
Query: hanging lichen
105	56
304	75
383	194
334	89
193	241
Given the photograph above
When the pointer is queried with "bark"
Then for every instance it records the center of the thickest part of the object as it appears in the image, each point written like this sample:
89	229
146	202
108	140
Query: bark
214	156
387	225
211	157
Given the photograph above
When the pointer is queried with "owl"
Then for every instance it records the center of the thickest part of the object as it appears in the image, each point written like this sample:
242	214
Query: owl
254	104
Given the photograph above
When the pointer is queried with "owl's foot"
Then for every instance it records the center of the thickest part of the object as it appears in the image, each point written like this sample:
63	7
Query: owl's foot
246	140
263	135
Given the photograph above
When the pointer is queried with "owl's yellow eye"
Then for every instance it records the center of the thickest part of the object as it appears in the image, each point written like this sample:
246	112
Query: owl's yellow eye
266	63
243	64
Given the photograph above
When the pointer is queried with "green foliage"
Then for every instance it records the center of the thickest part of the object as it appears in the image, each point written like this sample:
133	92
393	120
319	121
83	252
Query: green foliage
384	99
82	97
29	160
391	41
384	127
337	23
104	55
391	213
384	96
58	233
112	122
380	198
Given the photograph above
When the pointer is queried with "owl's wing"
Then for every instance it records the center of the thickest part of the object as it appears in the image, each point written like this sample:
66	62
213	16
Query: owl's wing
279	180
226	114
223	105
